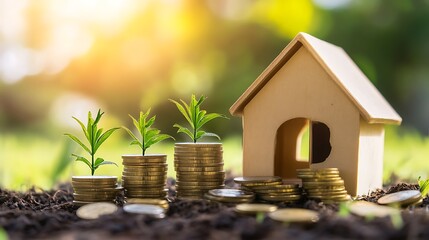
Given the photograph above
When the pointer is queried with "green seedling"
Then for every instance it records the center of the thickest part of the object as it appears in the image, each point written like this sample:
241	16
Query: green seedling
196	118
95	137
149	135
424	186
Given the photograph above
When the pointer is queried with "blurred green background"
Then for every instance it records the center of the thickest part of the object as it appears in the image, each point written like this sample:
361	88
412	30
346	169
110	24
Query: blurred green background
62	58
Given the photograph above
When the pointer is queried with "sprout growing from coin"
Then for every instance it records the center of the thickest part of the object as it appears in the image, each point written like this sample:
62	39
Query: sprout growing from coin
95	138
196	118
149	135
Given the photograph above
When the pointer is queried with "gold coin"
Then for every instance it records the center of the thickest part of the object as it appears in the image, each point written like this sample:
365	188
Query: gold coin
78	185
294	215
257	179
145	209
89	198
369	209
198	161
146	173
332	197
280	198
255	208
200	173
331	183
185	164
147	167
279	191
197	145
402	198
140	191
151	201
198	183
95	210
231	193
227	199
136	195
145	184
326	195
278	187
144	158
95	179
184	188
89	192
145	178
252	185
199	169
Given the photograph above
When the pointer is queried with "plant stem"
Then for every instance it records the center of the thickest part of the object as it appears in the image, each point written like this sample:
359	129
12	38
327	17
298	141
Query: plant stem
92	164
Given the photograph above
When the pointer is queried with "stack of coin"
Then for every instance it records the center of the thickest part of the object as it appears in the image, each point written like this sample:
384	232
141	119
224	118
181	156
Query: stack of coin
90	189
229	196
270	188
144	176
324	184
199	168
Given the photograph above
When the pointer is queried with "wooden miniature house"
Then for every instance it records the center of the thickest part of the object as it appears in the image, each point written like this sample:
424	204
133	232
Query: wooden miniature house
314	86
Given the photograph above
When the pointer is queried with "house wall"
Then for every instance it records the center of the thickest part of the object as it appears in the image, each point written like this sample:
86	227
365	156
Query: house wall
371	148
301	88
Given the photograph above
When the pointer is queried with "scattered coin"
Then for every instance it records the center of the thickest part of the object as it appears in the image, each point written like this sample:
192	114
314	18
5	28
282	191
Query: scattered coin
368	209
294	215
255	208
145	209
402	198
95	210
150	201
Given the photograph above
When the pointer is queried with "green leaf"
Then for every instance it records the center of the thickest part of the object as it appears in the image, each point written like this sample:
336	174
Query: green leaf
184	130
424	186
131	134
83	127
98	162
157	139
99	115
82	159
134	142
207	118
183	112
108	163
103	138
207	134
150	122
78	142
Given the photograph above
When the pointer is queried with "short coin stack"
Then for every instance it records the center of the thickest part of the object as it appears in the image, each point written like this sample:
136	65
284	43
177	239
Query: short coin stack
90	189
324	184
270	188
144	176
229	196
199	168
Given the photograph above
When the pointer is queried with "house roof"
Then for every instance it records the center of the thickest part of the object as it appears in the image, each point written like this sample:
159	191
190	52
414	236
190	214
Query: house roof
340	67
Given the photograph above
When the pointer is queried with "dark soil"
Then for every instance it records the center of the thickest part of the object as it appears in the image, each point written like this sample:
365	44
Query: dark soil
38	214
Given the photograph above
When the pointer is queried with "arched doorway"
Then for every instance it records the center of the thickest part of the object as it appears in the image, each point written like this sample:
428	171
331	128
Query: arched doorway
289	146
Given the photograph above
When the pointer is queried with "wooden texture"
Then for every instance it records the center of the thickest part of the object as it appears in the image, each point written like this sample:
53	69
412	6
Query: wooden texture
316	83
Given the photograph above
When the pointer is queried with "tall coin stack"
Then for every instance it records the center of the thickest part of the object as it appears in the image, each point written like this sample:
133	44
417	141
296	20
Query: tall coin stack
90	189
144	176
324	184
270	188
199	168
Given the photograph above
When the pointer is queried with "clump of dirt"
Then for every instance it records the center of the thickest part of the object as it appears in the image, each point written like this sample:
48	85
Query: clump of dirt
51	215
